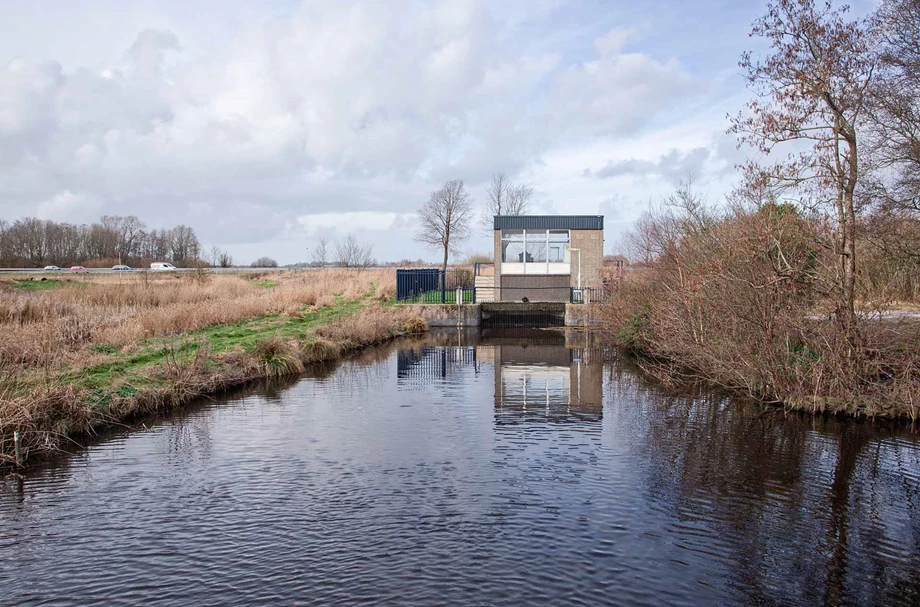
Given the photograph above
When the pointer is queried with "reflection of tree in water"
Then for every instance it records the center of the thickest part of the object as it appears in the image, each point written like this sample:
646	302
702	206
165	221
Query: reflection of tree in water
809	510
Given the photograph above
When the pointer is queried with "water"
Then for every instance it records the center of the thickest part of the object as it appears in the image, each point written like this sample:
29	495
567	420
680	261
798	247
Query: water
461	470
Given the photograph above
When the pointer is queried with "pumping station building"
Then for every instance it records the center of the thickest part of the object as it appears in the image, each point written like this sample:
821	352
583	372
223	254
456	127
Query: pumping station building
544	268
543	258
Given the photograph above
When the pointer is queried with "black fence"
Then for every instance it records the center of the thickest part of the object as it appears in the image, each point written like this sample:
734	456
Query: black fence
432	285
588	295
535	294
433	363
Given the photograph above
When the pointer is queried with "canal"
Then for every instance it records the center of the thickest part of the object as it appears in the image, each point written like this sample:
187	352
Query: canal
468	469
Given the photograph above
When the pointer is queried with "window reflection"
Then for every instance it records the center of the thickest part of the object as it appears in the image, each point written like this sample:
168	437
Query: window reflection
551	382
535	246
533	378
513	246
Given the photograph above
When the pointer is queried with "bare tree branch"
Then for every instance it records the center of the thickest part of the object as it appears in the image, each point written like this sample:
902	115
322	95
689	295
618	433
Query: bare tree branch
445	218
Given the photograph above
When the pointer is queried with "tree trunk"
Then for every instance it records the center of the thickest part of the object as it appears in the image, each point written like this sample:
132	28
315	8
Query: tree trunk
444	265
850	276
847	174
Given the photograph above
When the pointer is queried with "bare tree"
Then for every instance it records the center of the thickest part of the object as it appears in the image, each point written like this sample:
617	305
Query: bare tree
321	251
220	258
895	111
811	90
350	253
505	198
130	231
519	197
183	245
265	262
31	241
445	218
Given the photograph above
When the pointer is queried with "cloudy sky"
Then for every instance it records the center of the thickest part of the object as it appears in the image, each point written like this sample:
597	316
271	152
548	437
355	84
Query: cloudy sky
263	123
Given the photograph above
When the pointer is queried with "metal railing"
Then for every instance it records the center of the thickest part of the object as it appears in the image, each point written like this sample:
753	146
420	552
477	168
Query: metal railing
588	295
433	285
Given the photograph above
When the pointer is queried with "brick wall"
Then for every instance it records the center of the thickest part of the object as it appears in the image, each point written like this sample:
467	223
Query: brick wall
497	257
591	243
535	287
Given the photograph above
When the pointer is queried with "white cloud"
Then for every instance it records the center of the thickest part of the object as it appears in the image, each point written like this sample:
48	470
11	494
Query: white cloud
331	115
65	205
370	221
673	166
613	41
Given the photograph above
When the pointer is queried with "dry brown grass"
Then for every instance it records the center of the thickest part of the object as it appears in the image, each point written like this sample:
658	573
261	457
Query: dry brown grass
50	338
41	327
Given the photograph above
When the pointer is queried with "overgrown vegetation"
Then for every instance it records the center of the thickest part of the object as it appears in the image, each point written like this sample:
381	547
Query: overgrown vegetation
84	355
794	291
746	297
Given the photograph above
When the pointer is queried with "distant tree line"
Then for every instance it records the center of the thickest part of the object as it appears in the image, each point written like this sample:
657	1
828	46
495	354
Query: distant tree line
32	242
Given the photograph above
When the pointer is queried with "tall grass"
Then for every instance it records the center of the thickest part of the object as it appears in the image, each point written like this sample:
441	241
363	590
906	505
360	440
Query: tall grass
51	338
120	311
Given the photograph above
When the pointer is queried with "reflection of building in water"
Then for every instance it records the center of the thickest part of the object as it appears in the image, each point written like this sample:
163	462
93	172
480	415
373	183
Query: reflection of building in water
535	377
549	381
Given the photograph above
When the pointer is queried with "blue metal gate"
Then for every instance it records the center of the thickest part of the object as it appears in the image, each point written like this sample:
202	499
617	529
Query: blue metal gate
432	285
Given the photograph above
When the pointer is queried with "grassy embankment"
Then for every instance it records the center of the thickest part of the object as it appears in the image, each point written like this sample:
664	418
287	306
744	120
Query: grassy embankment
80	353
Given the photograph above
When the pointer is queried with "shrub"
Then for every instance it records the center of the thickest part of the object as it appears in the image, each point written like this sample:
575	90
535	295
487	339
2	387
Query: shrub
265	262
746	299
277	357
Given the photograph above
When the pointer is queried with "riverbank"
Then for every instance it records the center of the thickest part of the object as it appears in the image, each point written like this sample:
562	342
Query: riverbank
792	357
83	354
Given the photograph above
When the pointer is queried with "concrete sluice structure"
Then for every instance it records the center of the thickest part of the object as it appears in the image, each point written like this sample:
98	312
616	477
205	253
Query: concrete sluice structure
512	314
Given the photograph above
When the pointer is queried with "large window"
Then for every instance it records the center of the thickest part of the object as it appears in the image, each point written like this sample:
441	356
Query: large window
513	246
535	247
558	246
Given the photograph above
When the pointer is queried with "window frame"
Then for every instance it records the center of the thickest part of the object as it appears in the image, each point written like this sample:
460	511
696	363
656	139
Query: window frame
520	237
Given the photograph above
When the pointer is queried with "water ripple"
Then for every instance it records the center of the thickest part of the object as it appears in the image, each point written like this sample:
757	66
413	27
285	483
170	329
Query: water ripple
501	475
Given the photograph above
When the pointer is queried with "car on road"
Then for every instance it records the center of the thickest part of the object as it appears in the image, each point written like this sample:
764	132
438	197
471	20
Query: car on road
79	269
121	268
52	269
162	266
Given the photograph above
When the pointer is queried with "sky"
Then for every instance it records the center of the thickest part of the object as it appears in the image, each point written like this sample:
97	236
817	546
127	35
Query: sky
264	124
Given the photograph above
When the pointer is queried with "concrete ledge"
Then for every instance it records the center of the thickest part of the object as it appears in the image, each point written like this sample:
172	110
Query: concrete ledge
471	315
581	315
448	315
533	307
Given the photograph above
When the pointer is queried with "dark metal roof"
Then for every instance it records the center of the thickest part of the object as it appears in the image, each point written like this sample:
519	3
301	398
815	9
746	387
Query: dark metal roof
549	222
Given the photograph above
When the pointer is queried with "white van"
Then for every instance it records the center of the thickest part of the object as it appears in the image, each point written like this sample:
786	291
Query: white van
161	266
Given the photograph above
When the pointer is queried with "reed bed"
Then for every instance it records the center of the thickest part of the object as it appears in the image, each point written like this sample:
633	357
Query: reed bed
81	354
51	326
